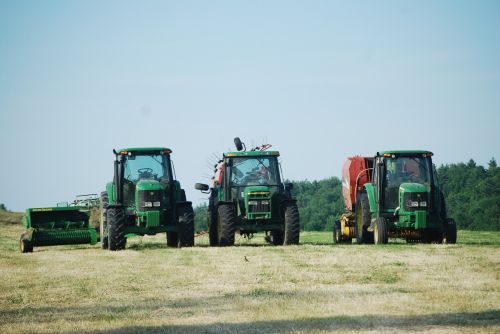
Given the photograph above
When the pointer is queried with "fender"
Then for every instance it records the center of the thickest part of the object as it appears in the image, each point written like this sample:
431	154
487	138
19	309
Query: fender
110	188
370	191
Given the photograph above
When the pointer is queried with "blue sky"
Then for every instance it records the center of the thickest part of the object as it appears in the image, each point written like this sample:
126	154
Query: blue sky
320	80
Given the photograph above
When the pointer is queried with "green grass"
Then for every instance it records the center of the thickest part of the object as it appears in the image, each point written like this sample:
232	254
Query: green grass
316	287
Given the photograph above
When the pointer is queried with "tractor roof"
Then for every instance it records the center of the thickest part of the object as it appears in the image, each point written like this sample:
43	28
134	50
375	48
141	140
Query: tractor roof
252	154
138	150
405	152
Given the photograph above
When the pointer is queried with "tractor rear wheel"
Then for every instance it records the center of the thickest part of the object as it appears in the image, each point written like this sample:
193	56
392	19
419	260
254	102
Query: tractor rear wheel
380	233
25	246
116	228
450	232
185	219
103	227
363	220
226	222
172	239
292	225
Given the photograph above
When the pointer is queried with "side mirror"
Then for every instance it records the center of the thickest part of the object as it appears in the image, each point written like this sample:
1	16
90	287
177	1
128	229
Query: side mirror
289	186
201	186
238	144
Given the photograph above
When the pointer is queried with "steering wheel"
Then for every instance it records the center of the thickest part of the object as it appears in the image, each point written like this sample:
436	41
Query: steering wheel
145	171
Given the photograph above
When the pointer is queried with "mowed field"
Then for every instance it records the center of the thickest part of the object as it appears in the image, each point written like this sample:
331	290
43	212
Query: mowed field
316	287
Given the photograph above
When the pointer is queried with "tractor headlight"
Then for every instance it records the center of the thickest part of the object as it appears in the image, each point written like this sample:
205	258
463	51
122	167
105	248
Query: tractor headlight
414	204
252	203
148	204
156	204
423	203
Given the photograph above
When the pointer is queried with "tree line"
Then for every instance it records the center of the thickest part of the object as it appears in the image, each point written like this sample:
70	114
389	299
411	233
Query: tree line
472	194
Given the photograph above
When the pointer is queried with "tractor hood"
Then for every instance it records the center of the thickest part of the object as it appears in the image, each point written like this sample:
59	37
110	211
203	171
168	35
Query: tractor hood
412	188
148	185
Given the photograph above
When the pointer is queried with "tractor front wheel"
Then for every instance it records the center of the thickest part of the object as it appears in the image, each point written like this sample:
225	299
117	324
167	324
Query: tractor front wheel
292	225
172	239
212	228
380	233
450	232
185	221
116	228
226	221
277	237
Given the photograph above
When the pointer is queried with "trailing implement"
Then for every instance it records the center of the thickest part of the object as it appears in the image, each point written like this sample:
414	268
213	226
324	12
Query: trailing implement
394	194
249	196
66	225
145	199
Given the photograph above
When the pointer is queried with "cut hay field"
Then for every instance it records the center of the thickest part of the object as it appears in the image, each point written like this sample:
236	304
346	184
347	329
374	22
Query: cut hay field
316	287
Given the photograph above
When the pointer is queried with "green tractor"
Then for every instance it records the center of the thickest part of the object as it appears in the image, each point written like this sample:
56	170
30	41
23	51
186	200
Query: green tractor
249	196
395	194
145	199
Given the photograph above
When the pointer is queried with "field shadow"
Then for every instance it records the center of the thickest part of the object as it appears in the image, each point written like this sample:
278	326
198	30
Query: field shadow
116	314
484	319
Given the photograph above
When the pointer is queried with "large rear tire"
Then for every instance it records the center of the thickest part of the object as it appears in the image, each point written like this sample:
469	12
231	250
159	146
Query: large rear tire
363	220
103	225
185	219
380	233
292	225
116	228
226	222
450	232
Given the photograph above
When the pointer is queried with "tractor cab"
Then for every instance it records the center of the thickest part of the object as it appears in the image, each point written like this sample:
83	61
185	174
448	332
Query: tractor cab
143	178
405	173
252	180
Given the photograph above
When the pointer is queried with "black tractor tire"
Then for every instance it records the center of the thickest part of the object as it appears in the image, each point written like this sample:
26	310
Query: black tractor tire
292	225
337	233
172	239
213	238
116	228
380	232
277	237
25	246
185	220
103	236
363	220
226	225
450	232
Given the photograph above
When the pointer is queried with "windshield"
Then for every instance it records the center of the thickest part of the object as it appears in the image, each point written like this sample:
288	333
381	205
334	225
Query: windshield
408	170
147	166
254	171
405	170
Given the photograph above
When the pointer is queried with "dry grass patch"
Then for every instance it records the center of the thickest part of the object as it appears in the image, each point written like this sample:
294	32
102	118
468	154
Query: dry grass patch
250	288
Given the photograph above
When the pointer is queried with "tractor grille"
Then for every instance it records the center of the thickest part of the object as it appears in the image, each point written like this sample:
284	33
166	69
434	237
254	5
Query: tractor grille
149	196
257	206
415	201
